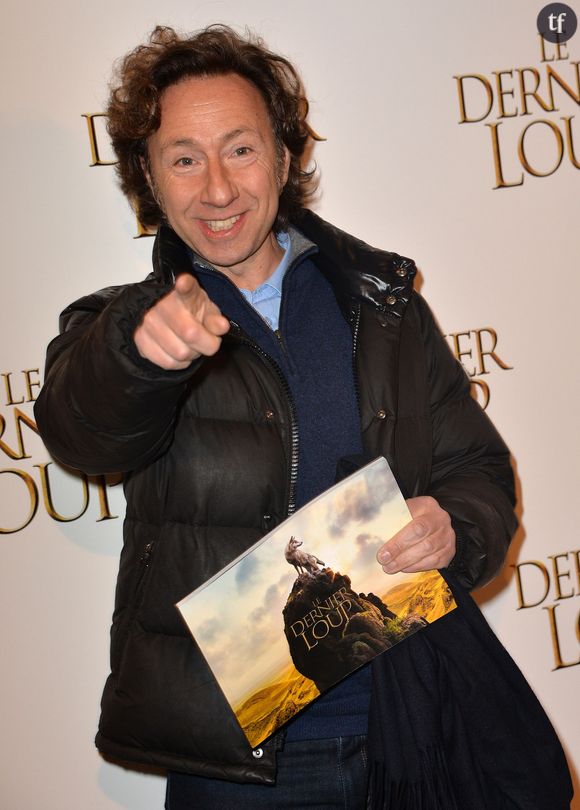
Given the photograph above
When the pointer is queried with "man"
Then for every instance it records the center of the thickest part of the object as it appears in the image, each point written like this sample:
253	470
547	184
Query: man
266	350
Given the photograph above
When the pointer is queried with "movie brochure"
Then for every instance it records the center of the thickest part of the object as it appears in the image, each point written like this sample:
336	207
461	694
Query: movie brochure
309	603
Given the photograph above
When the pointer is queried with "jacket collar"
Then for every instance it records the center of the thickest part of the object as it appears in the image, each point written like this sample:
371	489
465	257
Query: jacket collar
355	270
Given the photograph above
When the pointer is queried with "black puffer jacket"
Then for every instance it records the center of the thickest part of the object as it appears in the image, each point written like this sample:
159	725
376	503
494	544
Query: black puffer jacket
210	457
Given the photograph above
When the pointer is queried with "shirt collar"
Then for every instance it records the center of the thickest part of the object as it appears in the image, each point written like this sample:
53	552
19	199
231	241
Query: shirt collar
277	277
292	241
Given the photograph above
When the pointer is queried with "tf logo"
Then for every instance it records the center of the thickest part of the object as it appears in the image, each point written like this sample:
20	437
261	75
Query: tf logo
557	22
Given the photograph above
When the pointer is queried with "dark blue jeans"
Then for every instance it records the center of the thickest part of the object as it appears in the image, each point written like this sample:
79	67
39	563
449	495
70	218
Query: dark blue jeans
316	774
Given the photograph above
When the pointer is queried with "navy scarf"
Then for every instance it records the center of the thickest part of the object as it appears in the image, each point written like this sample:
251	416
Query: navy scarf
454	725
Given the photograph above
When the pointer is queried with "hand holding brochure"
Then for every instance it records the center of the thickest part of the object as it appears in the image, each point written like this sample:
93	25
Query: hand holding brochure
309	603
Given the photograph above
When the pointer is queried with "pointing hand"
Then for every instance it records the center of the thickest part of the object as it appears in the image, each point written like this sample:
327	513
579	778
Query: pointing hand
181	326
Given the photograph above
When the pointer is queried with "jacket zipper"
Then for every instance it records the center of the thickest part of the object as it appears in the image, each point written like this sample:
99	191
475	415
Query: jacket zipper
293	467
146	555
143	567
355	325
134	605
294	438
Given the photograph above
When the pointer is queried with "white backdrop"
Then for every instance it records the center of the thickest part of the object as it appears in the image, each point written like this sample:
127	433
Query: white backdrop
398	170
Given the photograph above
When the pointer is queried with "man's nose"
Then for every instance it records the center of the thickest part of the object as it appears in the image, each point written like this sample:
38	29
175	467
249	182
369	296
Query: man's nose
220	189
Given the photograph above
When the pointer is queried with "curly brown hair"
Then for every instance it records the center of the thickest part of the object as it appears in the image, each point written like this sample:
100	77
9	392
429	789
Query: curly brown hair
168	58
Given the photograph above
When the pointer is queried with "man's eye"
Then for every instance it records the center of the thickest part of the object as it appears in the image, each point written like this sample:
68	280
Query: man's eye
242	151
184	161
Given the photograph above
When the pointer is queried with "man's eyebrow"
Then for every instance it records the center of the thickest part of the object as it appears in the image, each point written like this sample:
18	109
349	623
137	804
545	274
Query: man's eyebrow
229	136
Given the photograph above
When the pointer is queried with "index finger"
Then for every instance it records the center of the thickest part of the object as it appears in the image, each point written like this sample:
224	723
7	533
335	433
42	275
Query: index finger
185	285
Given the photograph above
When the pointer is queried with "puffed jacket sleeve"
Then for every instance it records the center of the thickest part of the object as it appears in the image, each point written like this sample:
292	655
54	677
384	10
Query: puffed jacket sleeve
471	475
103	408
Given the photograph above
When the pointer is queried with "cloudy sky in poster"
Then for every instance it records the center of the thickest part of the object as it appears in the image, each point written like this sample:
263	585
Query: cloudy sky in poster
237	619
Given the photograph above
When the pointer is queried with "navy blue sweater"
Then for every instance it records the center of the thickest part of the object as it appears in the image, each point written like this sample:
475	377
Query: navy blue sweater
313	349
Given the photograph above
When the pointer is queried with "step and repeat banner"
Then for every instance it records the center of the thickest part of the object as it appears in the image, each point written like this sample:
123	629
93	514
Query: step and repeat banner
452	136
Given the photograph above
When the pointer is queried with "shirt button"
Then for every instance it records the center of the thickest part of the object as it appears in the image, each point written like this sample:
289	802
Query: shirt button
269	414
258	753
390	299
381	414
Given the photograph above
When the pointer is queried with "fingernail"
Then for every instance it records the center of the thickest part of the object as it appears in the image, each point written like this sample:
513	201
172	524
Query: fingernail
384	557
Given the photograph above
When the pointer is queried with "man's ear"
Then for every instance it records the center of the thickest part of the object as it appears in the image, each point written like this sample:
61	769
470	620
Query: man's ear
150	181
145	169
283	169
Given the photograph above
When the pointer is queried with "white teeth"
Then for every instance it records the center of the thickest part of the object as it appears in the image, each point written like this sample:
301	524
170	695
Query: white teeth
221	224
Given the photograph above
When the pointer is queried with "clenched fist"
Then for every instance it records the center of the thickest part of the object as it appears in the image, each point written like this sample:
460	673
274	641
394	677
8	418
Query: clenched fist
181	326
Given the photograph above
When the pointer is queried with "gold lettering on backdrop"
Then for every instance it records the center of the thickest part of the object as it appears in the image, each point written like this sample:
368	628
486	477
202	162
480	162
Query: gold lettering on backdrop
570	141
31	500
514	92
20	418
501	92
477	345
483	82
101	483
38	486
480	391
143	231
40	492
500	181
560	149
483	353
559	579
557	650
47	495
525	91
545	584
30	383
9	395
558	56
10	386
555	77
98	161
459	352
93	140
558	575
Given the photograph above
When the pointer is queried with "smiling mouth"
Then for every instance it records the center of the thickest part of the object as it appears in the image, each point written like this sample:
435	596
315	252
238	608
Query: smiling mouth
217	225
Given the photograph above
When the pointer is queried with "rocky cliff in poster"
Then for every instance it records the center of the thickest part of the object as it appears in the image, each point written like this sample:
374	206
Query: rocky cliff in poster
309	603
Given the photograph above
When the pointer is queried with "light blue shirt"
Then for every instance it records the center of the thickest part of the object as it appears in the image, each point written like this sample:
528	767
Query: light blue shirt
266	298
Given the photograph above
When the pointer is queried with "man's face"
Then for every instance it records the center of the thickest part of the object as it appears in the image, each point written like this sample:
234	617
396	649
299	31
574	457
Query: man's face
215	170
